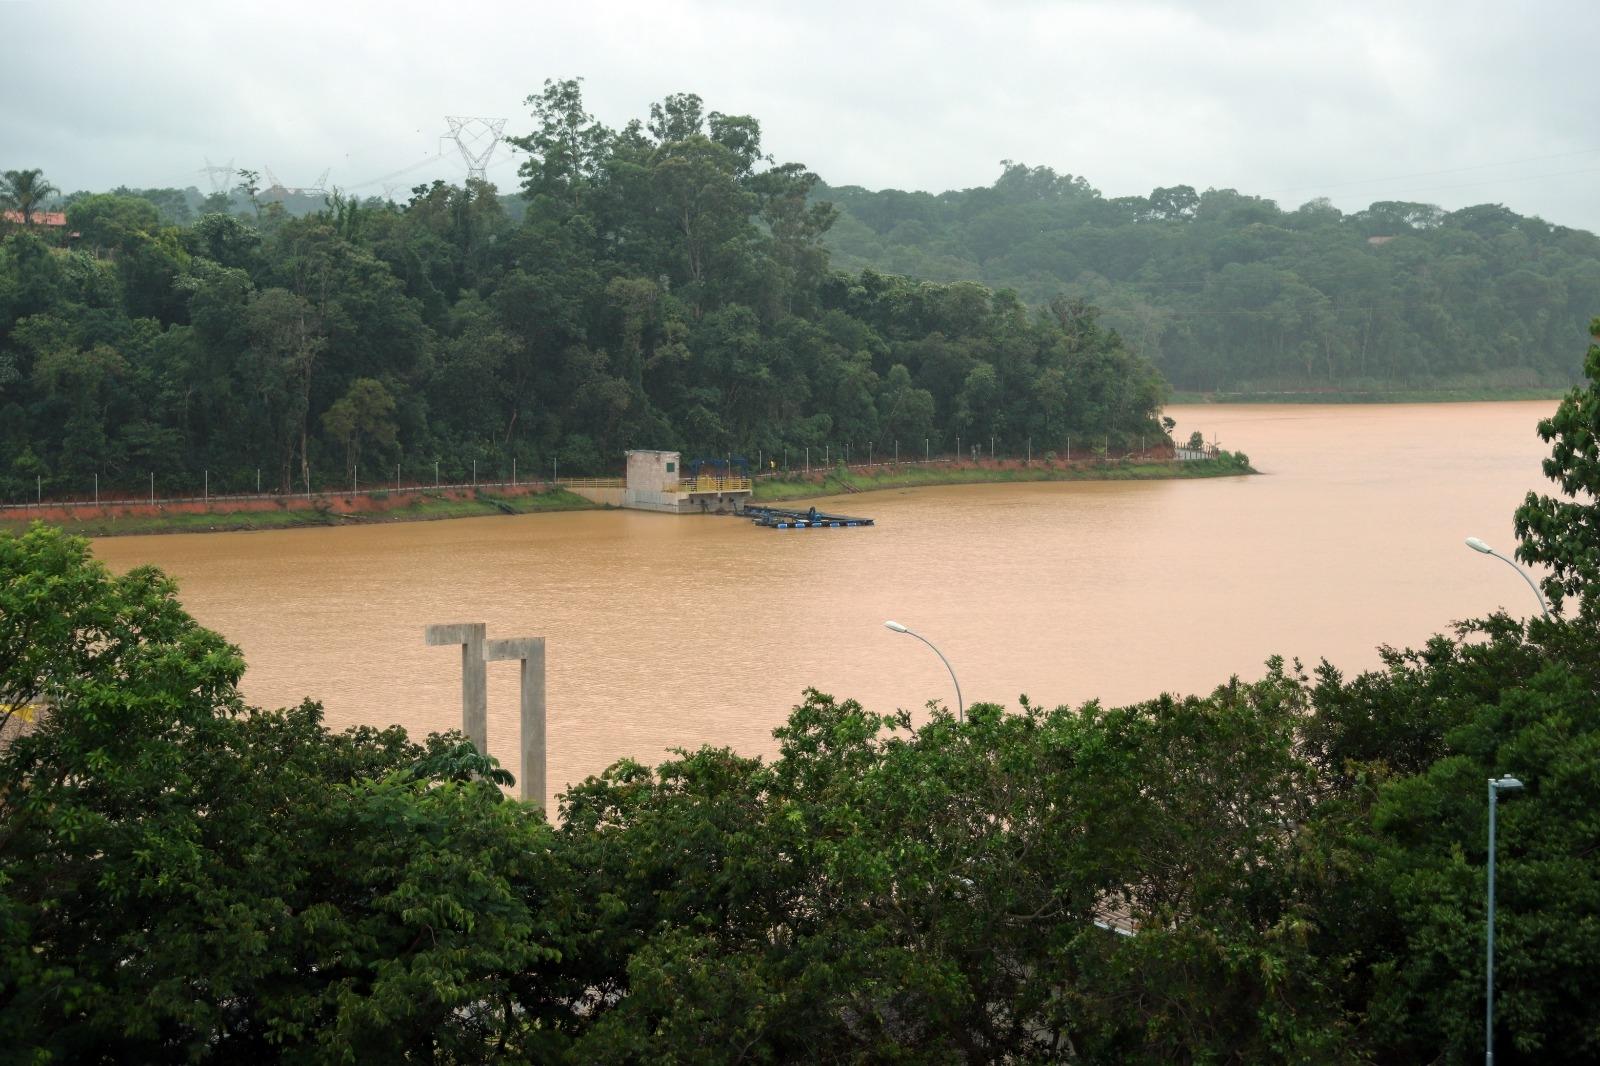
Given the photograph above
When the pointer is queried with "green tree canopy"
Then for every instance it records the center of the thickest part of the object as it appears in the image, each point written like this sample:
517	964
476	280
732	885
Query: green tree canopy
1563	532
24	190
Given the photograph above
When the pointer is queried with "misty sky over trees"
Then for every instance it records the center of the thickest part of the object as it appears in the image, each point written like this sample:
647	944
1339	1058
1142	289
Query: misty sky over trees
1447	103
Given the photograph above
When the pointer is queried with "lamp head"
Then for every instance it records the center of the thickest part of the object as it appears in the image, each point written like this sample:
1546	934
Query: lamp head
896	626
1478	546
1506	784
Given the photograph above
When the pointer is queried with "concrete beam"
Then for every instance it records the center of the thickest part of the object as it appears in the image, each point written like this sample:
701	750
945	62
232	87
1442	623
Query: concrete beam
530	651
474	676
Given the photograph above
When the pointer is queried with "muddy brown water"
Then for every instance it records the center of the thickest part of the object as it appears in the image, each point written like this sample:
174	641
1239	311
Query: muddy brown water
667	632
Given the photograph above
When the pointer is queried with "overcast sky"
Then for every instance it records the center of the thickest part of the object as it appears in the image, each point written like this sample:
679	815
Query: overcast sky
1449	103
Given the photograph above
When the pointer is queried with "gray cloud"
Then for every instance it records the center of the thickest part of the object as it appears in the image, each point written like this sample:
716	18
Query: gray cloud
1447	103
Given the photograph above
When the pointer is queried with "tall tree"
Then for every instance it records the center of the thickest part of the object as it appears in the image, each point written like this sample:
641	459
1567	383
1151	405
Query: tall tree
1564	534
363	415
287	333
24	190
568	147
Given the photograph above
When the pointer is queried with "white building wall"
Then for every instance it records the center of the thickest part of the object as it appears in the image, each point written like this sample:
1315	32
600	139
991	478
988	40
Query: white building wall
652	483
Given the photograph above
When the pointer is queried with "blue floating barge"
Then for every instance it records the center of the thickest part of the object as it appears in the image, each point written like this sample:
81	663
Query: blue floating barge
782	518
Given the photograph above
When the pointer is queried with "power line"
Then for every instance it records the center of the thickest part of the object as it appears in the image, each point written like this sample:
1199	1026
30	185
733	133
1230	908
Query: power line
382	178
1434	173
1506	181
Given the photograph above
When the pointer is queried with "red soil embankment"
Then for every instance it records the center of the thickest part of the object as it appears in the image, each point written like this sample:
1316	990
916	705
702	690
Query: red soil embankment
1079	461
377	501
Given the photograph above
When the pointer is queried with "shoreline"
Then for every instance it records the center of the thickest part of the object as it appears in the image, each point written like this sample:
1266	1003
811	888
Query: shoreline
1357	397
142	519
834	485
423	505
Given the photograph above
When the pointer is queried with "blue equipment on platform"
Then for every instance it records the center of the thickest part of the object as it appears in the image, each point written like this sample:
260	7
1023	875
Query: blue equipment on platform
783	518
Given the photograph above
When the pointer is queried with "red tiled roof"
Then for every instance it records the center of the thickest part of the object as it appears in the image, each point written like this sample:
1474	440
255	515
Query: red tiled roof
40	218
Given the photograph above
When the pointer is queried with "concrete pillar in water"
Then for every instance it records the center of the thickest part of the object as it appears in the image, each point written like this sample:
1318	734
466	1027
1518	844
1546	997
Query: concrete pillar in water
474	689
530	651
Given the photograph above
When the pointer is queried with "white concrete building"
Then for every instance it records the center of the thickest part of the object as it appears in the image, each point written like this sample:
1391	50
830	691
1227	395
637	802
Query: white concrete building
656	481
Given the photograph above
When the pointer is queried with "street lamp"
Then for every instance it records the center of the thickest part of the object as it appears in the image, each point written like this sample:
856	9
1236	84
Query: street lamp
1479	546
961	707
1496	786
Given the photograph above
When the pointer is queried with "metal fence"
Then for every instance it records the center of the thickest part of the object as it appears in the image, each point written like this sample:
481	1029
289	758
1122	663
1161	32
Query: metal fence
379	489
805	463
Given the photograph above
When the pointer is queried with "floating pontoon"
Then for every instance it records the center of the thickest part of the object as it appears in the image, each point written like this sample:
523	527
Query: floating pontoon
783	518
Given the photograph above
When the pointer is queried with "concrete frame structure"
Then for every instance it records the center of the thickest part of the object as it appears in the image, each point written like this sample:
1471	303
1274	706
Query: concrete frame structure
529	651
474	676
476	653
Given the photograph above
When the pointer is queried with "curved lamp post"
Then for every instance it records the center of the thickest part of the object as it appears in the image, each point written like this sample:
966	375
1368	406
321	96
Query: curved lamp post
1496	786
961	708
1479	546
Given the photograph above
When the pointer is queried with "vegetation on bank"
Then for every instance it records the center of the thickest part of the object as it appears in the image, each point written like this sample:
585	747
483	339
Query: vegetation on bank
667	287
331	511
834	482
1225	291
1299	860
426	505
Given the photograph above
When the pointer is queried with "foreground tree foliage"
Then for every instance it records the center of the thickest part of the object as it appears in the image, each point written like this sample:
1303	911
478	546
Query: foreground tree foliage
1301	859
1563	532
184	878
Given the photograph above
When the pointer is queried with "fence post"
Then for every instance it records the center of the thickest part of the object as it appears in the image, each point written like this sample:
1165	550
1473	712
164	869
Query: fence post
205	487
97	488
258	481
152	488
513	471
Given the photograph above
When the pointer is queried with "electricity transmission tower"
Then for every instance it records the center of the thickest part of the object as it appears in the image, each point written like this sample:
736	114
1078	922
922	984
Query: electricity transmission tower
278	190
476	138
221	177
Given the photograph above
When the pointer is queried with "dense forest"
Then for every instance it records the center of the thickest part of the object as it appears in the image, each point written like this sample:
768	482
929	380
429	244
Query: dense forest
1290	870
1227	291
666	286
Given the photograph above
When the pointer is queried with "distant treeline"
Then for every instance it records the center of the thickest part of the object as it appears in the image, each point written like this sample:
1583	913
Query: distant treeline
1222	290
666	287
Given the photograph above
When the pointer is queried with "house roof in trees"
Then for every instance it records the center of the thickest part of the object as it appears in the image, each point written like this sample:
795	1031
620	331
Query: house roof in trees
40	218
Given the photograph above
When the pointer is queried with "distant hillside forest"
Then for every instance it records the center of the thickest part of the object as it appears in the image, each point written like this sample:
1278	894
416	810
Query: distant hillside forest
667	286
1225	291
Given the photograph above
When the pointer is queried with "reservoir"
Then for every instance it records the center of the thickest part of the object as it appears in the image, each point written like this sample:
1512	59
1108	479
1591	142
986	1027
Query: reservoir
673	632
